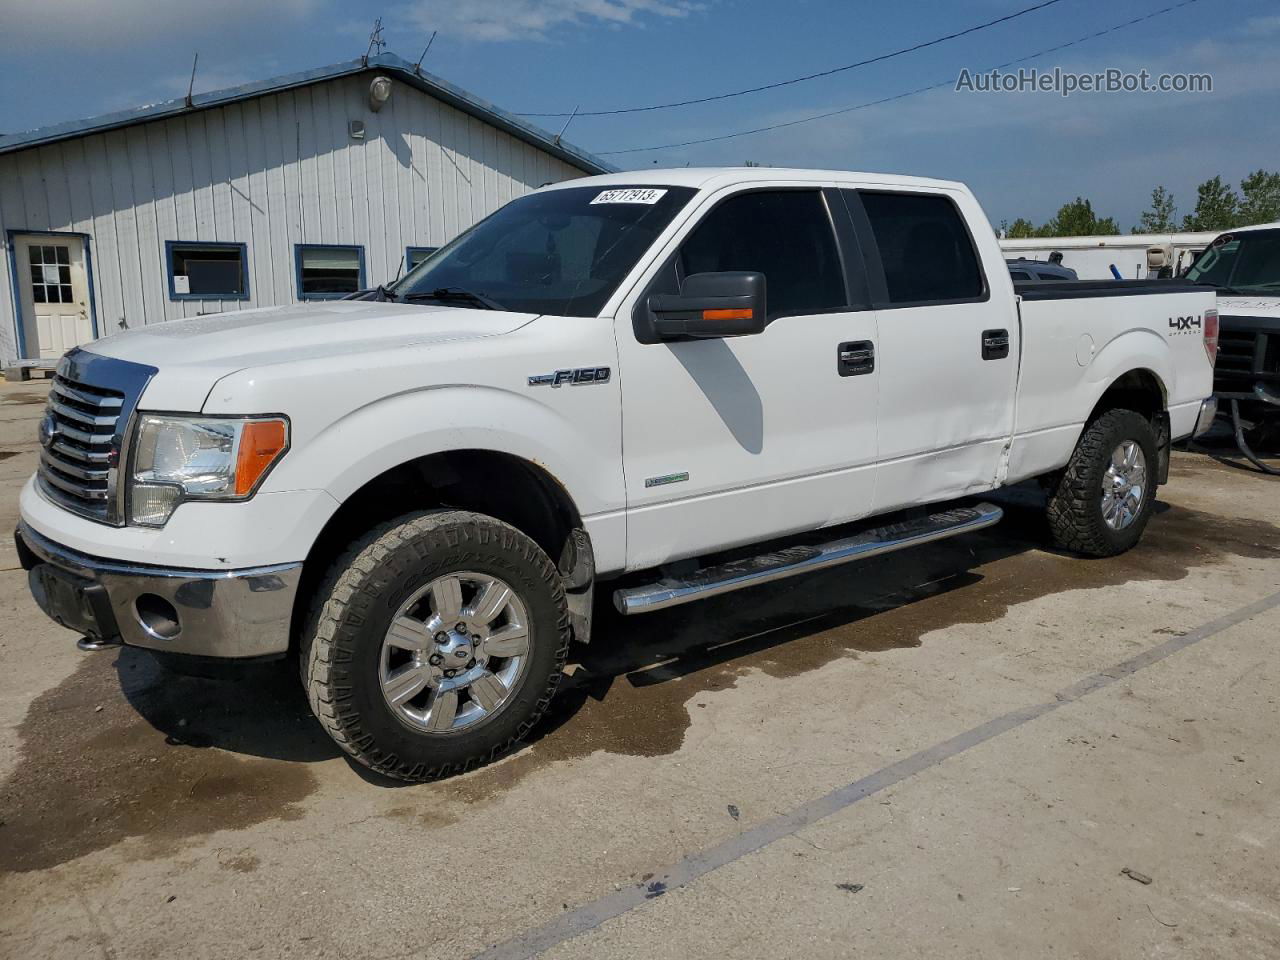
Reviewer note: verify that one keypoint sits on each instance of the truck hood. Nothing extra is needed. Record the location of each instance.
(191, 355)
(1249, 306)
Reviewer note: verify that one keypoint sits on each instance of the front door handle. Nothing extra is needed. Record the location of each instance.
(995, 344)
(856, 358)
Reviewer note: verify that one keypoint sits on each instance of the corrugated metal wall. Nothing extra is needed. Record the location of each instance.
(269, 172)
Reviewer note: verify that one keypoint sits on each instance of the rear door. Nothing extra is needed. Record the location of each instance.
(948, 344)
(731, 441)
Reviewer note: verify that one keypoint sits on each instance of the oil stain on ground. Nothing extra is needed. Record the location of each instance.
(120, 749)
(636, 684)
(171, 759)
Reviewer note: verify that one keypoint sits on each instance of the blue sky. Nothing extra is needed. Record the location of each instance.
(1024, 154)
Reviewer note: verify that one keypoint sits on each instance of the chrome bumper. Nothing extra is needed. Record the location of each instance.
(212, 613)
(1208, 411)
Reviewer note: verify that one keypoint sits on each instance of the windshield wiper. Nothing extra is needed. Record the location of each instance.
(454, 295)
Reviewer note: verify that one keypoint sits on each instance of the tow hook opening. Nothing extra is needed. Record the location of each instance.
(157, 616)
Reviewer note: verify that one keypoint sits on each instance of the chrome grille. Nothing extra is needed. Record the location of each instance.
(82, 435)
(78, 452)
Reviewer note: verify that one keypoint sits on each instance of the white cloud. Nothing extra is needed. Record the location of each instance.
(1261, 26)
(501, 20)
(93, 23)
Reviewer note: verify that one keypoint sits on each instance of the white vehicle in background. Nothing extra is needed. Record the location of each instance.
(1135, 256)
(1244, 267)
(690, 377)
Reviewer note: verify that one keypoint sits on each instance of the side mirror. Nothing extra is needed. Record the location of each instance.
(711, 305)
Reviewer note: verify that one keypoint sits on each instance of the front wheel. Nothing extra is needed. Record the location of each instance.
(1102, 501)
(439, 640)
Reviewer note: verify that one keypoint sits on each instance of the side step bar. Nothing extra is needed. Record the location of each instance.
(713, 581)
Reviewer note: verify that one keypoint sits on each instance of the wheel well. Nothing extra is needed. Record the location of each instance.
(499, 485)
(1138, 390)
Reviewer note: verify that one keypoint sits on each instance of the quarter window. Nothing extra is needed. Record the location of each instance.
(925, 249)
(784, 234)
(326, 271)
(213, 271)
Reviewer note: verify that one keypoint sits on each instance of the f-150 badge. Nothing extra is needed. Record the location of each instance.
(576, 377)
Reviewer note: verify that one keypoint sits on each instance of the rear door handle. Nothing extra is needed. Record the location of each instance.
(995, 344)
(856, 358)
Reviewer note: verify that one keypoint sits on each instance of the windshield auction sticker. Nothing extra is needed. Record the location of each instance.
(630, 195)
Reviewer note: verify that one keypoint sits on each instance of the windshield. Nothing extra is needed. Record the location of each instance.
(561, 252)
(1241, 261)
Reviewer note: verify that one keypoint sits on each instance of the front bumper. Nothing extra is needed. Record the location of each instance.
(233, 614)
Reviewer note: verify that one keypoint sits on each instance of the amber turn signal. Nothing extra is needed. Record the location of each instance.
(261, 443)
(744, 313)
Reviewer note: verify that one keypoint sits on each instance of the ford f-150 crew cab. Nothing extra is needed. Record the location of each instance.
(686, 372)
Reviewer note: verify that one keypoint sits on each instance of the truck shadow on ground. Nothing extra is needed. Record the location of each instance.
(123, 751)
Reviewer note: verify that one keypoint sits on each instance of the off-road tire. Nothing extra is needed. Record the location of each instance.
(355, 605)
(1075, 500)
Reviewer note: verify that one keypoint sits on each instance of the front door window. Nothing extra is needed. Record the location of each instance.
(50, 273)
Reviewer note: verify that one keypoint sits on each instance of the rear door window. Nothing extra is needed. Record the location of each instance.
(925, 248)
(786, 235)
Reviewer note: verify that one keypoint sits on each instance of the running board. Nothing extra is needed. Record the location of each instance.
(713, 581)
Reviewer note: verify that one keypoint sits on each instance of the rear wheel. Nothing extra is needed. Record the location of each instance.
(1102, 501)
(439, 642)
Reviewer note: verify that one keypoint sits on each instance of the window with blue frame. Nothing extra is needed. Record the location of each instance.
(415, 255)
(327, 271)
(207, 271)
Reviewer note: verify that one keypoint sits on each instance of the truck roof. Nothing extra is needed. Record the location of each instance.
(1256, 226)
(703, 177)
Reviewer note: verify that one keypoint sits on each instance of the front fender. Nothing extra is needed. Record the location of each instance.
(373, 439)
(352, 423)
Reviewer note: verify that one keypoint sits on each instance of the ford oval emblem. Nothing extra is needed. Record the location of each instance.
(48, 430)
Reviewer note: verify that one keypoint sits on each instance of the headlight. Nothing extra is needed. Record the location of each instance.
(199, 458)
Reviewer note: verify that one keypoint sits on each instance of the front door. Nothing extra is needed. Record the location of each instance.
(54, 286)
(732, 441)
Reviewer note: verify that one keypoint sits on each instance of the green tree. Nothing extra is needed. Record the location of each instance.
(1259, 199)
(1161, 217)
(1020, 229)
(1217, 207)
(1077, 219)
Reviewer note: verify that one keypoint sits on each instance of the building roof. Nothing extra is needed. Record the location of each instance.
(386, 63)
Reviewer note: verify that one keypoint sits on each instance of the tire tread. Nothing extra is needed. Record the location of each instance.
(326, 649)
(1075, 517)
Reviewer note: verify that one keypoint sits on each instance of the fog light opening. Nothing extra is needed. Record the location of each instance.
(157, 616)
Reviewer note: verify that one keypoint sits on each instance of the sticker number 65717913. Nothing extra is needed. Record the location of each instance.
(630, 195)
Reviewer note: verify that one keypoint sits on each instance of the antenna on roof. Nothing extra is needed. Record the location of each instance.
(417, 67)
(192, 85)
(566, 126)
(375, 40)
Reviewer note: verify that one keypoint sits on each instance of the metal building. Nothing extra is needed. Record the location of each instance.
(305, 186)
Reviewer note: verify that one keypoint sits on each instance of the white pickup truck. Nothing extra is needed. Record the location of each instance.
(418, 492)
(1243, 266)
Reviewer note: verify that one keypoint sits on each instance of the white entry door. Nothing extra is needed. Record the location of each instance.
(54, 285)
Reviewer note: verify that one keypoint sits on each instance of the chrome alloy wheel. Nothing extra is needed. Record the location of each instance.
(1124, 485)
(454, 652)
